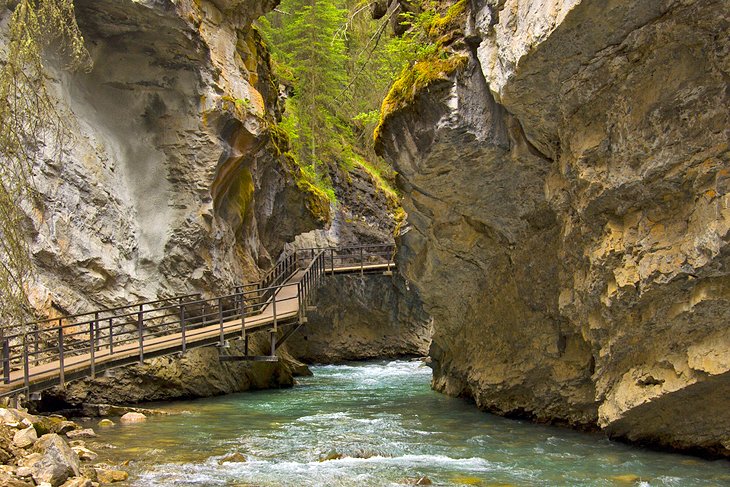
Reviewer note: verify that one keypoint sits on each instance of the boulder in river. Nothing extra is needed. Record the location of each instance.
(105, 423)
(105, 476)
(133, 418)
(233, 458)
(83, 433)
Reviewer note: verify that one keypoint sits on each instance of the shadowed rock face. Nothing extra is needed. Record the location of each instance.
(570, 239)
(171, 183)
(363, 317)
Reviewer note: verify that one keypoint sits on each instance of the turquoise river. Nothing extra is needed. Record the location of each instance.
(381, 425)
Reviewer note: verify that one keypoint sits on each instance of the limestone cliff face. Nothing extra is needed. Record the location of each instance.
(363, 317)
(172, 182)
(567, 195)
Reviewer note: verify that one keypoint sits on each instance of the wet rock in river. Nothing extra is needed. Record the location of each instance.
(83, 433)
(133, 418)
(233, 457)
(108, 476)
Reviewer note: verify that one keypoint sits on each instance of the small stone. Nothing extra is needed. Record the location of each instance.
(29, 460)
(23, 472)
(77, 482)
(424, 481)
(84, 433)
(109, 476)
(626, 478)
(85, 454)
(232, 458)
(105, 423)
(330, 455)
(133, 418)
(25, 437)
(77, 443)
(7, 480)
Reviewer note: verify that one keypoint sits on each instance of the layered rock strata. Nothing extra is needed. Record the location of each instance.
(567, 194)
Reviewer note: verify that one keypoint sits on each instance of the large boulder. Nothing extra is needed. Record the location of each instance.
(57, 463)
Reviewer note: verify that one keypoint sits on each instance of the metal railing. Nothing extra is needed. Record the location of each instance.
(45, 351)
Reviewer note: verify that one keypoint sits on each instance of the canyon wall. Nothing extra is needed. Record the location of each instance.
(171, 179)
(373, 316)
(567, 199)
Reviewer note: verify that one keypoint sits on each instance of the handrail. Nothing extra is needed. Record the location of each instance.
(99, 336)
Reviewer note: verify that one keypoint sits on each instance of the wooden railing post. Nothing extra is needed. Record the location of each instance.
(6, 361)
(182, 326)
(96, 330)
(26, 367)
(362, 262)
(273, 303)
(61, 352)
(92, 347)
(243, 315)
(111, 337)
(140, 329)
(35, 344)
(220, 320)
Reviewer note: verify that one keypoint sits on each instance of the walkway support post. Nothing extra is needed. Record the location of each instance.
(362, 263)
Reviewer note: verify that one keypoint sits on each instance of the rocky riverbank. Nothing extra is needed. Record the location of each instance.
(50, 451)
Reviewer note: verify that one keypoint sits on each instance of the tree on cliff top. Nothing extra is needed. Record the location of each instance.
(30, 124)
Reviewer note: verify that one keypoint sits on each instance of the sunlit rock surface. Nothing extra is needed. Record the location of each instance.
(568, 200)
(171, 181)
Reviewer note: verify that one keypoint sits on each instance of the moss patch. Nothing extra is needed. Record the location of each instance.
(444, 55)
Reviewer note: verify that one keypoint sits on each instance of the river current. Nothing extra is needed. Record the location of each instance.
(377, 424)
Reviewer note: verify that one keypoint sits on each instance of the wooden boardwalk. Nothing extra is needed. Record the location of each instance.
(92, 342)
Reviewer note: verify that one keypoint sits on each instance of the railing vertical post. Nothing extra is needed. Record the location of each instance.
(362, 262)
(182, 326)
(332, 258)
(61, 352)
(273, 303)
(273, 343)
(35, 344)
(92, 347)
(111, 337)
(26, 367)
(220, 319)
(140, 329)
(300, 311)
(6, 361)
(243, 316)
(96, 330)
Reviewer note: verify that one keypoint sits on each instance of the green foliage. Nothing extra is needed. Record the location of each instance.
(30, 123)
(435, 35)
(340, 64)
